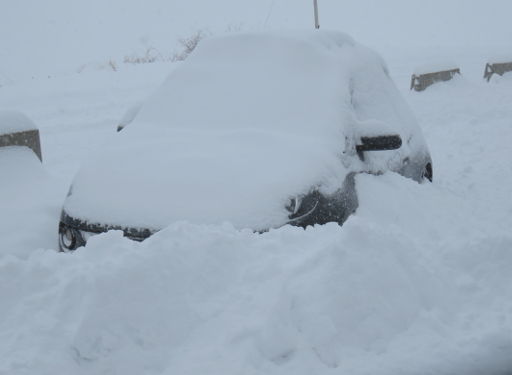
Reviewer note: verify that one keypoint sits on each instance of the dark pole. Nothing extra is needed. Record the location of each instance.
(315, 4)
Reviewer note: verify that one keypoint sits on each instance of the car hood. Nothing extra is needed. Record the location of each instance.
(243, 125)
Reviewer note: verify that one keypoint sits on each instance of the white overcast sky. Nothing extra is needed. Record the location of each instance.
(39, 37)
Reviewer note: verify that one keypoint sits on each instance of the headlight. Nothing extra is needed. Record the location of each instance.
(293, 205)
(302, 206)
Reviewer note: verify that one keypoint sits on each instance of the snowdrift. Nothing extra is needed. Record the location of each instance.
(392, 292)
(29, 203)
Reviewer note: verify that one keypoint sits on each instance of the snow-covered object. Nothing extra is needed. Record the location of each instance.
(247, 122)
(14, 121)
(28, 203)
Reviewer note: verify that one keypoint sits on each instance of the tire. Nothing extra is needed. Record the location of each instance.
(428, 173)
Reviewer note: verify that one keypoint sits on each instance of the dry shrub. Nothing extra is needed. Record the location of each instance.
(188, 44)
(152, 55)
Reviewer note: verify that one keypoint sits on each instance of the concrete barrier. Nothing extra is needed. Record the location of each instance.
(16, 129)
(420, 82)
(496, 68)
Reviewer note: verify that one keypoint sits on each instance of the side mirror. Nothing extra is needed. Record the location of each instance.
(379, 143)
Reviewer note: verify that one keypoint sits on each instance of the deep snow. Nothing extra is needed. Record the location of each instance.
(417, 281)
(401, 288)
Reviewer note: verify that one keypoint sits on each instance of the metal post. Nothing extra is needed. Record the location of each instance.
(315, 4)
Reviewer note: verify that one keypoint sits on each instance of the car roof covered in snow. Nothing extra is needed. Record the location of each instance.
(248, 121)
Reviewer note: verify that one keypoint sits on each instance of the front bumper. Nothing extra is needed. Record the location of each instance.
(74, 232)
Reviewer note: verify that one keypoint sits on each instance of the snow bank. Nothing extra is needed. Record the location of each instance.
(391, 292)
(30, 203)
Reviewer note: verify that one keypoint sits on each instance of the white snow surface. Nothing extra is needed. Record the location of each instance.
(402, 288)
(130, 114)
(14, 121)
(418, 281)
(435, 67)
(500, 58)
(247, 122)
(28, 198)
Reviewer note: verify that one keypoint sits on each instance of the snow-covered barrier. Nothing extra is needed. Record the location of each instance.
(420, 82)
(496, 68)
(29, 196)
(16, 129)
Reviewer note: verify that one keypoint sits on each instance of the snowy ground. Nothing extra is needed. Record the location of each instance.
(418, 281)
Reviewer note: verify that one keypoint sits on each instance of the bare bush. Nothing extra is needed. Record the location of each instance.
(112, 64)
(152, 55)
(188, 46)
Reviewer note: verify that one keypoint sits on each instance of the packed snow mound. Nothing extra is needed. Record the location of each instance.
(247, 122)
(29, 203)
(384, 294)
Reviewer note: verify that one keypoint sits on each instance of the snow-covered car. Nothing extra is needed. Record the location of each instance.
(259, 130)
